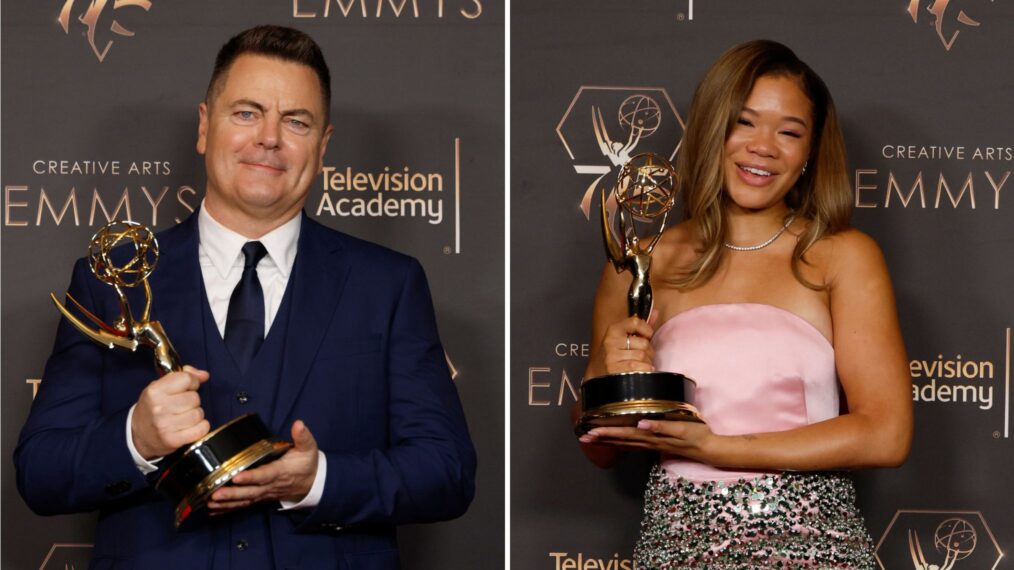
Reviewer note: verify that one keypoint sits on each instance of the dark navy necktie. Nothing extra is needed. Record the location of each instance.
(244, 325)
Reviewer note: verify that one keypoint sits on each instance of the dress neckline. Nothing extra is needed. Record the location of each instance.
(763, 306)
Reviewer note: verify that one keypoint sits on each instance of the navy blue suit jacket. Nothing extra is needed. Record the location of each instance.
(363, 367)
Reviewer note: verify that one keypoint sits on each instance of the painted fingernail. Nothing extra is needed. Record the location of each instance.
(644, 424)
(586, 439)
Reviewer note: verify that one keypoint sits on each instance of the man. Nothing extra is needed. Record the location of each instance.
(328, 338)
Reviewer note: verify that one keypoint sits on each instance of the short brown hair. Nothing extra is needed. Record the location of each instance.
(286, 44)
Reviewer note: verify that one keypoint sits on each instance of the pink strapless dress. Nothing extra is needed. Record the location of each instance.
(758, 369)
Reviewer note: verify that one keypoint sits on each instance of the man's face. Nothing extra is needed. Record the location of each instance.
(263, 139)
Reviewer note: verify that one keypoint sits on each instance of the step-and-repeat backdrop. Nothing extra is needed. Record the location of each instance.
(925, 89)
(100, 121)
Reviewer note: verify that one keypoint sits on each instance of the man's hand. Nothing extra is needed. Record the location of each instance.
(168, 414)
(287, 479)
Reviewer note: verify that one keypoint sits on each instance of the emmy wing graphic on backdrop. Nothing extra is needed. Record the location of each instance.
(955, 538)
(938, 540)
(189, 475)
(624, 121)
(640, 116)
(644, 193)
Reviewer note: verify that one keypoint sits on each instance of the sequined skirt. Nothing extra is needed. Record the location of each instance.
(785, 521)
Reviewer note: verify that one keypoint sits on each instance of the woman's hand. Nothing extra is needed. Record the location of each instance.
(612, 330)
(626, 346)
(687, 439)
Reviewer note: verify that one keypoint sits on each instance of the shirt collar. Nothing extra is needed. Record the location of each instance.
(224, 246)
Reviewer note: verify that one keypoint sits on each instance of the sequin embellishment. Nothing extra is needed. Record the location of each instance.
(787, 521)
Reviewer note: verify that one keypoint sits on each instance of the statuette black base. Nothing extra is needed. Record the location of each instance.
(192, 473)
(625, 398)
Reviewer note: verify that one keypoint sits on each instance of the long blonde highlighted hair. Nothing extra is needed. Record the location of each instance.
(822, 195)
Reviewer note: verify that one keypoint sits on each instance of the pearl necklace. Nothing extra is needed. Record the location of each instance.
(767, 242)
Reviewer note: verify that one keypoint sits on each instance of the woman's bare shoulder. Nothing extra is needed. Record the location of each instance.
(847, 255)
(677, 246)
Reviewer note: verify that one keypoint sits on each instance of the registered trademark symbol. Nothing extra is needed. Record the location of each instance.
(680, 17)
(447, 250)
(996, 435)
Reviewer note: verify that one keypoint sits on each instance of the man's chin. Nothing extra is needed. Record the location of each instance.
(255, 193)
(254, 197)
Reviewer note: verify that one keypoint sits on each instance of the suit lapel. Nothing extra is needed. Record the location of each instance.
(177, 292)
(318, 278)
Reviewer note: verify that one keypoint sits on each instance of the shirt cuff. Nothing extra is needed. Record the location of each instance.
(312, 499)
(143, 464)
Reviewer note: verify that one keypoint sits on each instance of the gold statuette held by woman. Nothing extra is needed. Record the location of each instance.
(645, 194)
(189, 475)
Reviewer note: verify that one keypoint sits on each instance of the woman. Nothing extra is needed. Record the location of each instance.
(766, 298)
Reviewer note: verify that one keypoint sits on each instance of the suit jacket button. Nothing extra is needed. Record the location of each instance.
(242, 544)
(117, 488)
(242, 397)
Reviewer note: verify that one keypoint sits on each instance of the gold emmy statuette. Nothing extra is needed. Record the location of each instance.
(189, 475)
(645, 193)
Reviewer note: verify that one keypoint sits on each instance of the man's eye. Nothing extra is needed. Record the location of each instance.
(298, 126)
(244, 115)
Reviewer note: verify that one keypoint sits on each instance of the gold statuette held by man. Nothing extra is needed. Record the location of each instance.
(189, 475)
(644, 193)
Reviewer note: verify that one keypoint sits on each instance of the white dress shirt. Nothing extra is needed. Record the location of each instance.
(221, 259)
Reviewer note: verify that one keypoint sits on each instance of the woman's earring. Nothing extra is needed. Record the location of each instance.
(804, 166)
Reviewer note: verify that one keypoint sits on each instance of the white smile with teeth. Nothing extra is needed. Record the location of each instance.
(756, 171)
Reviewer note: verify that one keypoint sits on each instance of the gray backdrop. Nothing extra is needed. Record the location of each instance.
(112, 88)
(925, 73)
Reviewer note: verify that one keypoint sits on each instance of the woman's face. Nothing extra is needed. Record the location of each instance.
(768, 147)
